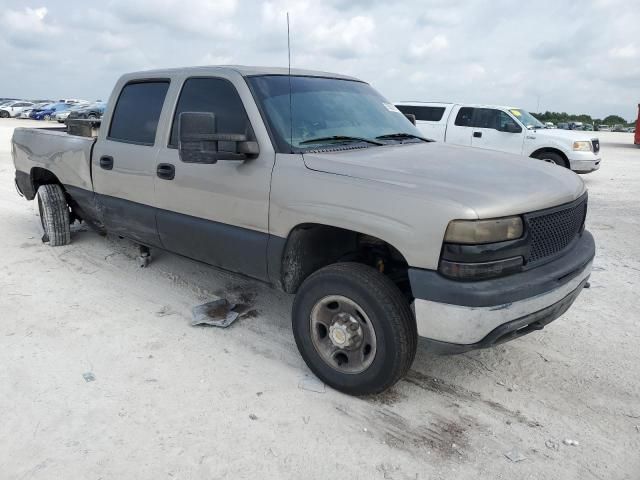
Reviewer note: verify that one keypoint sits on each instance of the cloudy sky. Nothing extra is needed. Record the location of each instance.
(576, 56)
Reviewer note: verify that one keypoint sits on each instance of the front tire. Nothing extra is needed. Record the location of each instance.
(552, 157)
(4, 114)
(54, 215)
(354, 328)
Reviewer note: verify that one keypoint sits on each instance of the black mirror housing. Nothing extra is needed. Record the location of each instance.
(198, 141)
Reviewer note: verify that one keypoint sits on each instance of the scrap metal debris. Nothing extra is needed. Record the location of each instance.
(311, 384)
(219, 313)
(515, 456)
(88, 376)
(573, 443)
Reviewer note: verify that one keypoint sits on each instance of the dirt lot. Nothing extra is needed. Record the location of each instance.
(174, 401)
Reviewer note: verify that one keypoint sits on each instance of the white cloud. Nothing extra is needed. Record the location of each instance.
(583, 58)
(425, 49)
(27, 27)
(628, 51)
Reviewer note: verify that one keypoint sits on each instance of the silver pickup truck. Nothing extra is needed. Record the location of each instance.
(315, 183)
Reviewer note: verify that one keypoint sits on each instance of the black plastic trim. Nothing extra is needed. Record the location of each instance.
(510, 330)
(25, 185)
(430, 285)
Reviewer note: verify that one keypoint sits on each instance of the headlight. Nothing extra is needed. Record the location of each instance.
(483, 231)
(582, 146)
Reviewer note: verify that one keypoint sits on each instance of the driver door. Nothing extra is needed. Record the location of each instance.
(216, 213)
(495, 130)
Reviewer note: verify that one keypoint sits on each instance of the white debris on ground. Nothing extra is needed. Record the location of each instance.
(173, 401)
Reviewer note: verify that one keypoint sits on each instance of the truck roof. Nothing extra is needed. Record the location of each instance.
(244, 70)
(442, 104)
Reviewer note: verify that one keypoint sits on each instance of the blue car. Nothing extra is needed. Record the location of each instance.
(48, 111)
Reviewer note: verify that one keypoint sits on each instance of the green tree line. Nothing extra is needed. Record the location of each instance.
(564, 117)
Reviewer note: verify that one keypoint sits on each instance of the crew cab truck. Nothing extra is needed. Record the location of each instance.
(505, 129)
(315, 183)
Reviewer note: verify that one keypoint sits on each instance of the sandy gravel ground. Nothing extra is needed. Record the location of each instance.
(173, 401)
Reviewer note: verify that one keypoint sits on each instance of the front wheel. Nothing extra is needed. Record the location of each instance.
(552, 157)
(354, 328)
(4, 114)
(54, 215)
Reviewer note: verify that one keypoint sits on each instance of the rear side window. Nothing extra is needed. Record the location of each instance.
(213, 95)
(424, 113)
(464, 117)
(135, 118)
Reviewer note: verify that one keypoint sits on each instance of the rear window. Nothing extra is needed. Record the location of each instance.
(135, 118)
(464, 117)
(424, 113)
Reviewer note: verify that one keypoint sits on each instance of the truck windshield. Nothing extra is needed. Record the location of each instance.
(526, 118)
(327, 111)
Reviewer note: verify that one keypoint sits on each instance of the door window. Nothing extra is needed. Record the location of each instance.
(464, 117)
(494, 119)
(135, 118)
(212, 95)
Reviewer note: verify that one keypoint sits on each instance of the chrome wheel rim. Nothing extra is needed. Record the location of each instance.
(342, 334)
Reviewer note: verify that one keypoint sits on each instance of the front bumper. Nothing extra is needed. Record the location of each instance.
(584, 162)
(459, 316)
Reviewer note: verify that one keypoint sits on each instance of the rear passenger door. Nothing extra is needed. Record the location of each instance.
(494, 129)
(124, 161)
(216, 213)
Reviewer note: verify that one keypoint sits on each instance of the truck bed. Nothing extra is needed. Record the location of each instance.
(68, 157)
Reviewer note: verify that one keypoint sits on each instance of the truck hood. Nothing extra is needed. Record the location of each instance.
(487, 183)
(570, 135)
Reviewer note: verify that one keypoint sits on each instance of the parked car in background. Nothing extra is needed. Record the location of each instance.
(94, 110)
(587, 127)
(49, 111)
(604, 128)
(619, 128)
(504, 129)
(14, 109)
(62, 116)
(576, 126)
(26, 113)
(563, 126)
(549, 125)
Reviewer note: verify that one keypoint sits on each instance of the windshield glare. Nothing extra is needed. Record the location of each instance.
(526, 118)
(324, 107)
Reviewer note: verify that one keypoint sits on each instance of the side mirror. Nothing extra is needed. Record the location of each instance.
(411, 117)
(512, 128)
(198, 141)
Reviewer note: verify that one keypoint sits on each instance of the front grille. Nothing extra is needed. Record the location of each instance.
(552, 230)
(596, 145)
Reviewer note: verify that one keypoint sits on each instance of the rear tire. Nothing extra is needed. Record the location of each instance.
(375, 303)
(553, 157)
(4, 114)
(54, 215)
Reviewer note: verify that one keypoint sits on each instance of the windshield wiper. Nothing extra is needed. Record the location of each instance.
(400, 136)
(341, 138)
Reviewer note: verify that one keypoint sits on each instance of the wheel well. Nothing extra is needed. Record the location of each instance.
(42, 176)
(310, 247)
(540, 151)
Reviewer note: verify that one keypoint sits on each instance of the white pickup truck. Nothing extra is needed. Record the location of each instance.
(505, 129)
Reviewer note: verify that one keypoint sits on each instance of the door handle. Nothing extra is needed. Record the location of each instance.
(106, 162)
(477, 134)
(166, 171)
